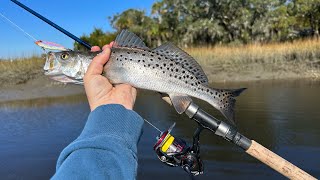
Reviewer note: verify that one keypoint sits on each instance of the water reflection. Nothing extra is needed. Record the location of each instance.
(33, 133)
(282, 116)
(42, 102)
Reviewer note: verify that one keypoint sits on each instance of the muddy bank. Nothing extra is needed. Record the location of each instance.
(40, 86)
(23, 78)
(230, 73)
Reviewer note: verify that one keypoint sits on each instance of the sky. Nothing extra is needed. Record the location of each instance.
(77, 17)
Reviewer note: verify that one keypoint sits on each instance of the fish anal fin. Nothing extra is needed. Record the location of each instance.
(228, 110)
(180, 102)
(184, 59)
(130, 40)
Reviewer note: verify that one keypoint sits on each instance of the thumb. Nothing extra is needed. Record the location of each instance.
(96, 66)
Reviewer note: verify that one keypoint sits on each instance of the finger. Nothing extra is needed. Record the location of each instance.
(108, 45)
(95, 48)
(96, 66)
(128, 89)
(134, 93)
(125, 87)
(105, 46)
(127, 94)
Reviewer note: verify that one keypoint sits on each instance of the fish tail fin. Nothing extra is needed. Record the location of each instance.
(237, 92)
(226, 103)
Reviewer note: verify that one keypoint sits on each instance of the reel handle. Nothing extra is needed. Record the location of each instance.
(276, 162)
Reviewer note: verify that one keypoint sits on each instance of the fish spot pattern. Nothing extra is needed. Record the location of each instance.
(161, 64)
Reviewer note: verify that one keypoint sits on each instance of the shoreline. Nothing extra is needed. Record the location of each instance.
(223, 65)
(38, 87)
(42, 86)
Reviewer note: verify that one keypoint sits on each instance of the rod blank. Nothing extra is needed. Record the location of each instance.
(85, 44)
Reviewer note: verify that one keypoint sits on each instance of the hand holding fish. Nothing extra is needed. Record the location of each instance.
(98, 88)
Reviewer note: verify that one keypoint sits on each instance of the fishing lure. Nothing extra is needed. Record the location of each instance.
(50, 46)
(45, 45)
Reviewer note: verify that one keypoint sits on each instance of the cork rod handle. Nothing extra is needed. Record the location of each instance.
(277, 163)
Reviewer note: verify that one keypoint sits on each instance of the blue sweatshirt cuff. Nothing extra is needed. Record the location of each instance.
(114, 121)
(108, 141)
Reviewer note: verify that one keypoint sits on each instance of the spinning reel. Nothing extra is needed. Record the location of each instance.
(175, 151)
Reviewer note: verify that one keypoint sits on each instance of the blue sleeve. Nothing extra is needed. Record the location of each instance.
(106, 148)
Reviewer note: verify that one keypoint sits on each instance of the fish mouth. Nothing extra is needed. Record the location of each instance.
(51, 68)
(50, 62)
(65, 79)
(52, 73)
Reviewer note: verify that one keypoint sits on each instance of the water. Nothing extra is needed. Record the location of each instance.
(282, 116)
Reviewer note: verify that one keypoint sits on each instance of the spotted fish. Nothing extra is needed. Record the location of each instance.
(166, 69)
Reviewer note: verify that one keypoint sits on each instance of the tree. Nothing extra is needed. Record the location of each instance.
(307, 13)
(97, 38)
(209, 22)
(137, 22)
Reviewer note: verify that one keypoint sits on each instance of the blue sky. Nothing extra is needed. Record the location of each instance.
(78, 17)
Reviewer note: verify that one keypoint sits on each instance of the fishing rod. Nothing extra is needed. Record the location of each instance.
(175, 151)
(251, 147)
(45, 45)
(85, 44)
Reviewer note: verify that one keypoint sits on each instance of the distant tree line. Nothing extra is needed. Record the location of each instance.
(211, 22)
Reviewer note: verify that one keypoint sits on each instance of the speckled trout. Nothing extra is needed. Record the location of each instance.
(166, 69)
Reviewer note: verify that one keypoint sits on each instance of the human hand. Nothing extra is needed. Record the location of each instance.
(98, 88)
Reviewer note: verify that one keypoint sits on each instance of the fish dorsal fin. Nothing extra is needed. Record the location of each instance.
(184, 59)
(130, 40)
(180, 102)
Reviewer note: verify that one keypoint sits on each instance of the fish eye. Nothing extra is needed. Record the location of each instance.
(64, 56)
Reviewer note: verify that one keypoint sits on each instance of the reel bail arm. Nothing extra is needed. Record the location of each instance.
(174, 151)
(193, 161)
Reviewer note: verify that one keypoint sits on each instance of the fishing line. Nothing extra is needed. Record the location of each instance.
(152, 125)
(19, 28)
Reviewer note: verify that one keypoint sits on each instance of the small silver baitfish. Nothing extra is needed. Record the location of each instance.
(166, 69)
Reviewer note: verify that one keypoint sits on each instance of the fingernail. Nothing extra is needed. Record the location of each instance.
(106, 51)
(101, 52)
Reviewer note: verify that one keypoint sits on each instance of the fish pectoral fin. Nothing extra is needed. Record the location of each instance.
(130, 40)
(166, 98)
(180, 102)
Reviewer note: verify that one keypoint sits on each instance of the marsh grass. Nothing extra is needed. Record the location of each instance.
(298, 59)
(18, 71)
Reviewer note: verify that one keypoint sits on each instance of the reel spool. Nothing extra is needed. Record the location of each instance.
(176, 152)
